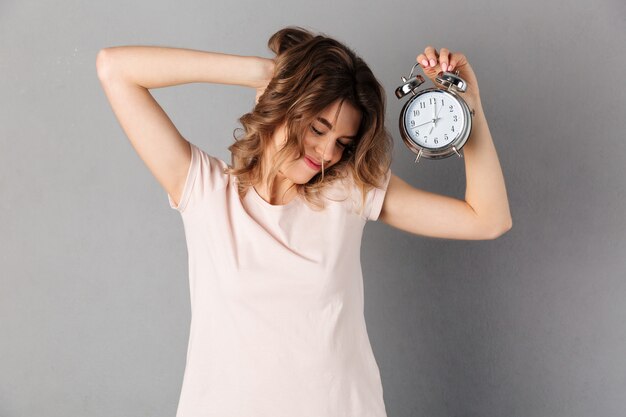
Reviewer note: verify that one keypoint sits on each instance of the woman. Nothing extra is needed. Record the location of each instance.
(274, 239)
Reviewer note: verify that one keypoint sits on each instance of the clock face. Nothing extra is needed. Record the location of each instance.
(434, 119)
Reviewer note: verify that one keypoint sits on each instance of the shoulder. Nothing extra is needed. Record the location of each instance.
(210, 167)
(365, 200)
(206, 174)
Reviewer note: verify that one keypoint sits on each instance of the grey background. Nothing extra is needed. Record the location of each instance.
(94, 308)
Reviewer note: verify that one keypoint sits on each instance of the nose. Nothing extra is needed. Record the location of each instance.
(325, 151)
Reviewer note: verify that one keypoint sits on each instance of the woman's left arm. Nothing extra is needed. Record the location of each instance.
(485, 191)
(486, 207)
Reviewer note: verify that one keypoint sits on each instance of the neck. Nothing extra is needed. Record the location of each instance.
(283, 189)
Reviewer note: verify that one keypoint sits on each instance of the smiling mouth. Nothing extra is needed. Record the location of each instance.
(311, 164)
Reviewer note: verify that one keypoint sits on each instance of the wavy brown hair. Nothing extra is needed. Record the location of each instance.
(310, 73)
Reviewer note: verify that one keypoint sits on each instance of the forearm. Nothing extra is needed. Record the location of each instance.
(155, 67)
(485, 190)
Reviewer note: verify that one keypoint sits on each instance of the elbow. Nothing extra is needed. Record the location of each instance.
(103, 64)
(501, 230)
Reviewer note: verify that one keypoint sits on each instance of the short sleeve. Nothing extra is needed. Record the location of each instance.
(374, 199)
(205, 174)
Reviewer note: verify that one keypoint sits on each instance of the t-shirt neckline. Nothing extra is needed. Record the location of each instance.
(277, 207)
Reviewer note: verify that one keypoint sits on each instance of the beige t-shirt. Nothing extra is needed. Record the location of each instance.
(277, 326)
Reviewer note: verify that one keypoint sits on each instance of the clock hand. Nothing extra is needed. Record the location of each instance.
(425, 123)
(437, 116)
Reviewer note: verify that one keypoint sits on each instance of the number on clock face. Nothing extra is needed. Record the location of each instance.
(434, 119)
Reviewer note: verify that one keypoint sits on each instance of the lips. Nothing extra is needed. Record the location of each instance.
(311, 163)
(314, 161)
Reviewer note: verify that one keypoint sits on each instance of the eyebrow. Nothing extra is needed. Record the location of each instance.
(330, 126)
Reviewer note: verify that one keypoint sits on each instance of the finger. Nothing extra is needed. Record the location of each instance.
(431, 55)
(455, 60)
(444, 58)
(421, 58)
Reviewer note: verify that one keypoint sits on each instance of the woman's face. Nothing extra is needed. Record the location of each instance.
(325, 140)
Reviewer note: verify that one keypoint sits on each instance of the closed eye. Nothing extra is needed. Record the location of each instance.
(318, 133)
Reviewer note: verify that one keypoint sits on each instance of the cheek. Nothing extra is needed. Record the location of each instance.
(307, 143)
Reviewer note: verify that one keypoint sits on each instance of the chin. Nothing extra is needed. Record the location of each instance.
(303, 176)
(303, 179)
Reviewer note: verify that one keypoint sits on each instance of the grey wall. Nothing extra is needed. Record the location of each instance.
(94, 308)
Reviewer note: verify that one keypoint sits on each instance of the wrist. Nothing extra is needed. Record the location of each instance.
(264, 71)
(474, 103)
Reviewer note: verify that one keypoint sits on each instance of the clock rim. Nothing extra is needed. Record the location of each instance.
(447, 150)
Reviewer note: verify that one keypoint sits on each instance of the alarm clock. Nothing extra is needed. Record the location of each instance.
(436, 122)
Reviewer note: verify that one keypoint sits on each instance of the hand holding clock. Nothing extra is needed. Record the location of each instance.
(448, 107)
(433, 61)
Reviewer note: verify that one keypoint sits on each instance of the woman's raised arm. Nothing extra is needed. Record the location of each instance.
(156, 66)
(126, 73)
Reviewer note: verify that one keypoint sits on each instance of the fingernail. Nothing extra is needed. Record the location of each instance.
(432, 62)
(444, 66)
(424, 62)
